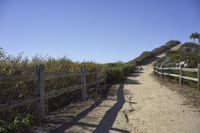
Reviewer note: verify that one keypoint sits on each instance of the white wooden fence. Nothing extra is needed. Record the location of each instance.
(40, 95)
(160, 71)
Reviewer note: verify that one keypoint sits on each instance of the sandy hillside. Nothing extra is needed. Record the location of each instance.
(172, 49)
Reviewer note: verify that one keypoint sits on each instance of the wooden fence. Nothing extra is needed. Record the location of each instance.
(160, 71)
(40, 95)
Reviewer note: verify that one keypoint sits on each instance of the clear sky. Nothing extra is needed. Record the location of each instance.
(94, 30)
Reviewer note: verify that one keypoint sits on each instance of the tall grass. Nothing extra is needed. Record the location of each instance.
(18, 119)
(13, 120)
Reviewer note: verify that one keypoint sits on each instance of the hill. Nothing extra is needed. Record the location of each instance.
(188, 53)
(148, 56)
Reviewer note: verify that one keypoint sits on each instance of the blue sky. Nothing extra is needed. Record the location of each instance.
(94, 30)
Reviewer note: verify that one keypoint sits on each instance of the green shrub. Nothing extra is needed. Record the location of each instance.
(144, 58)
(19, 90)
(20, 124)
(116, 72)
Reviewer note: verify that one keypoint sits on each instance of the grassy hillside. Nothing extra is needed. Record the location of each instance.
(148, 56)
(188, 51)
(165, 48)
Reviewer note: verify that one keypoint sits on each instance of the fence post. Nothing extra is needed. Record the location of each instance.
(40, 92)
(181, 74)
(157, 71)
(168, 72)
(198, 76)
(162, 72)
(97, 78)
(84, 82)
(154, 70)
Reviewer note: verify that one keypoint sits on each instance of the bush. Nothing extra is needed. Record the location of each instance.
(19, 125)
(19, 90)
(144, 58)
(116, 72)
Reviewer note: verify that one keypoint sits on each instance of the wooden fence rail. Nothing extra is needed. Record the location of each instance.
(40, 95)
(160, 71)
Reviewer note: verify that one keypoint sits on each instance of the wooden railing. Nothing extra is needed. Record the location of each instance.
(40, 95)
(162, 71)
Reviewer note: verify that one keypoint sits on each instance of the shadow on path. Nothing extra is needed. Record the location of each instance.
(109, 118)
(131, 81)
(94, 126)
(75, 120)
(106, 122)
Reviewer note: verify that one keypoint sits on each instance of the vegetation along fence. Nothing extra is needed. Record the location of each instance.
(178, 72)
(41, 95)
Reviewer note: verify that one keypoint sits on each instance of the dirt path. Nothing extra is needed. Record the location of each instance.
(140, 105)
(158, 108)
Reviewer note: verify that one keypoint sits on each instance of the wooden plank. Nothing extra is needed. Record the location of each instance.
(190, 69)
(56, 93)
(181, 74)
(15, 104)
(90, 73)
(184, 69)
(49, 76)
(165, 68)
(158, 68)
(97, 77)
(198, 77)
(83, 81)
(182, 77)
(166, 74)
(95, 82)
(48, 95)
(174, 75)
(173, 68)
(190, 78)
(32, 76)
(17, 78)
(158, 72)
(40, 92)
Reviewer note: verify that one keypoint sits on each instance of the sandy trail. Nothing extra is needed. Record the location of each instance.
(158, 108)
(140, 105)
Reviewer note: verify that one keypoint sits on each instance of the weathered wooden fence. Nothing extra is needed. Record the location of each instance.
(40, 95)
(160, 71)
